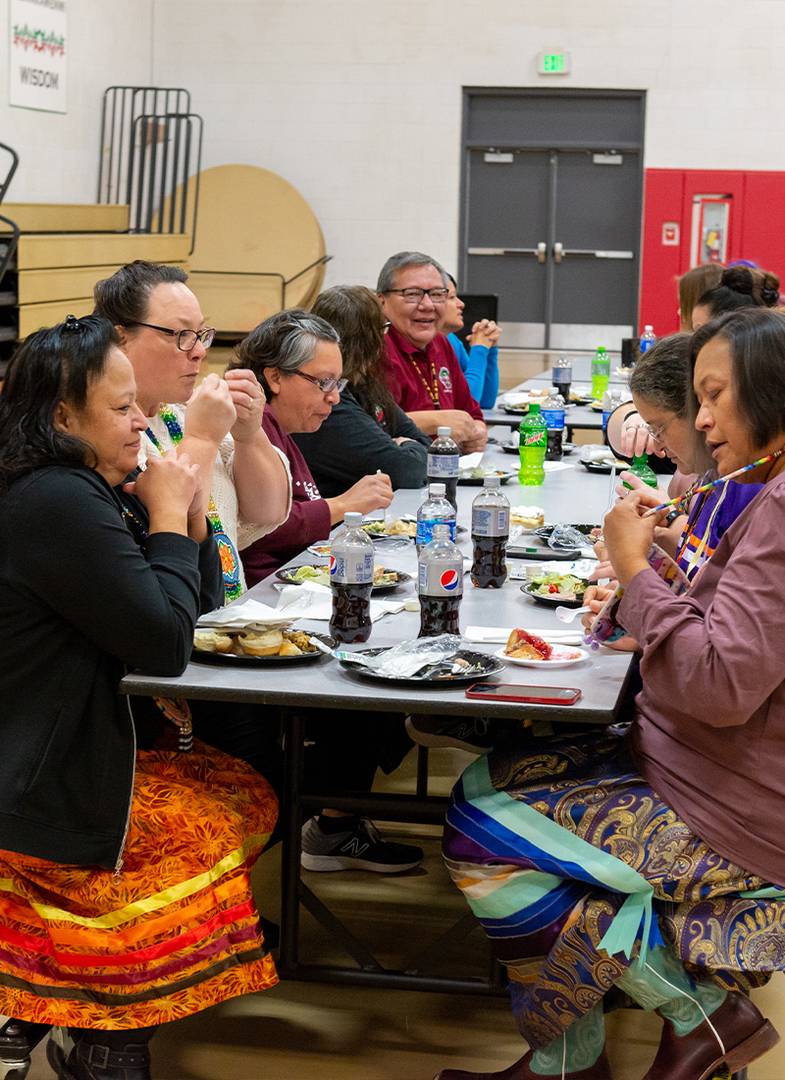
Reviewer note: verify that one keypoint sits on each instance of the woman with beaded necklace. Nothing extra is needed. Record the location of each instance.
(246, 483)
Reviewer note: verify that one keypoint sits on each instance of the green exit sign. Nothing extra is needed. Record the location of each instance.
(553, 63)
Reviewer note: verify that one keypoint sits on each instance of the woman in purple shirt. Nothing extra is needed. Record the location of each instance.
(620, 857)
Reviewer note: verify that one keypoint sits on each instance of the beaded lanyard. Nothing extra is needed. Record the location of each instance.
(230, 561)
(433, 386)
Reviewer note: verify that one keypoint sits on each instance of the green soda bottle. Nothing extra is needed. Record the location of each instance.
(640, 468)
(534, 443)
(600, 373)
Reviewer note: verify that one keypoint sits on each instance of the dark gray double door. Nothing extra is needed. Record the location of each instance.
(551, 216)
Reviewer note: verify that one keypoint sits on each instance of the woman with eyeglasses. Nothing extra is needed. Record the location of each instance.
(297, 359)
(244, 479)
(367, 419)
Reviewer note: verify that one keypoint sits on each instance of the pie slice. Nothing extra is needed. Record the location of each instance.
(525, 646)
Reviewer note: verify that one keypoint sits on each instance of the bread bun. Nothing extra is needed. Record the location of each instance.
(266, 643)
(212, 641)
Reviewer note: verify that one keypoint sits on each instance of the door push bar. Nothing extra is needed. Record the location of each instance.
(540, 252)
(559, 253)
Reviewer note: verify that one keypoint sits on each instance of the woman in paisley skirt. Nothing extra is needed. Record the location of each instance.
(651, 858)
(125, 900)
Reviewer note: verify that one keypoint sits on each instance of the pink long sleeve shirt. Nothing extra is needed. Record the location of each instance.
(709, 734)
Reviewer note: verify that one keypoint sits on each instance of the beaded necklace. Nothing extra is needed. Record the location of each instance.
(431, 386)
(230, 560)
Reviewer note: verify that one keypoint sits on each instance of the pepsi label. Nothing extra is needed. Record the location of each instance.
(443, 466)
(425, 530)
(353, 568)
(440, 579)
(490, 521)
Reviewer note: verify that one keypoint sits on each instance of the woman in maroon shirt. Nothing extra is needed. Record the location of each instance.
(619, 858)
(297, 359)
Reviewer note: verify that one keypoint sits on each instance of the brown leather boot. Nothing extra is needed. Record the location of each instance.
(745, 1033)
(601, 1070)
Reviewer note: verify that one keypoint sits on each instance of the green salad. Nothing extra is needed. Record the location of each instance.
(559, 585)
(311, 573)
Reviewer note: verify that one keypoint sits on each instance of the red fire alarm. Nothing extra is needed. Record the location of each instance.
(670, 234)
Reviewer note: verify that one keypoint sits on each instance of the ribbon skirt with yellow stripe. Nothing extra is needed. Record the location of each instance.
(574, 867)
(174, 932)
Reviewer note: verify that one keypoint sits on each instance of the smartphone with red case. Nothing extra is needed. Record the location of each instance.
(531, 695)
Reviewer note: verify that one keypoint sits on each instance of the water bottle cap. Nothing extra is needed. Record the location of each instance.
(440, 532)
(441, 432)
(492, 481)
(436, 489)
(352, 519)
(648, 329)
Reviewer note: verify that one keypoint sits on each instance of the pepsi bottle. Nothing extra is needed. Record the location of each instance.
(351, 581)
(436, 510)
(444, 463)
(440, 585)
(490, 532)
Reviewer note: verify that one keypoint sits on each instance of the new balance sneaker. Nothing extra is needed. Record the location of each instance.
(359, 847)
(465, 733)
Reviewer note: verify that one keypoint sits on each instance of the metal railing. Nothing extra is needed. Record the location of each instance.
(151, 144)
(8, 241)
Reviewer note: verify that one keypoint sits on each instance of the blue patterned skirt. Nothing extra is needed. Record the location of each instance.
(575, 867)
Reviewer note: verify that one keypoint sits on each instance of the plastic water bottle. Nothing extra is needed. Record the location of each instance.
(600, 373)
(443, 463)
(552, 412)
(640, 468)
(351, 581)
(647, 338)
(490, 532)
(613, 397)
(439, 584)
(533, 445)
(436, 510)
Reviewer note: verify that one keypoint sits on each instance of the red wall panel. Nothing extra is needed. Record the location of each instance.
(660, 264)
(756, 230)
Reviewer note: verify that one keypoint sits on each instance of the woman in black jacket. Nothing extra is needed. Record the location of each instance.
(124, 894)
(366, 431)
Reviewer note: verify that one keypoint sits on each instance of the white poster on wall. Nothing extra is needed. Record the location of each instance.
(37, 53)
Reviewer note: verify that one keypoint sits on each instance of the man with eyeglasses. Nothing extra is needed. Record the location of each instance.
(246, 487)
(425, 377)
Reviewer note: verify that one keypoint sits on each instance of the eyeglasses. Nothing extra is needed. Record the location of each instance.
(184, 339)
(416, 296)
(325, 385)
(658, 433)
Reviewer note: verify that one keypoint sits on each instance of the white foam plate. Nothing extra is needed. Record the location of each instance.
(563, 656)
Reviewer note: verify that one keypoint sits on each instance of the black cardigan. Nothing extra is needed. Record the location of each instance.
(350, 444)
(79, 603)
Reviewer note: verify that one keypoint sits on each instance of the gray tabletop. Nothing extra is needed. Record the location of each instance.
(570, 494)
(581, 417)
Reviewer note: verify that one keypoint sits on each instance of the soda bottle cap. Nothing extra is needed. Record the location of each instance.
(600, 348)
(440, 532)
(352, 519)
(534, 408)
(441, 432)
(491, 481)
(436, 489)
